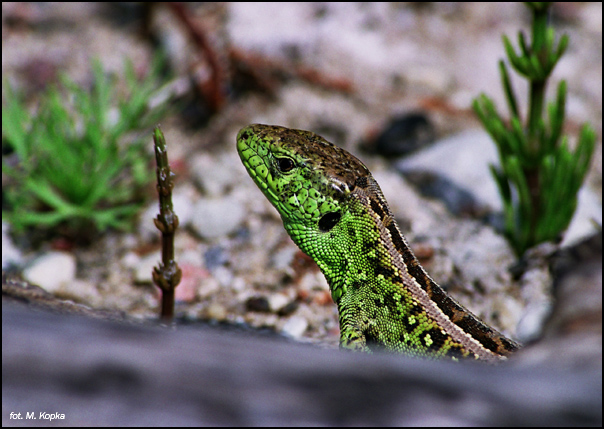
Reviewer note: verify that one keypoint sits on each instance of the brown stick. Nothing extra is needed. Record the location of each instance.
(168, 274)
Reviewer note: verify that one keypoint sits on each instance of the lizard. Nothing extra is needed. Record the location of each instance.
(335, 212)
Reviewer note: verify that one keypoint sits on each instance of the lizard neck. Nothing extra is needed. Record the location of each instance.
(365, 255)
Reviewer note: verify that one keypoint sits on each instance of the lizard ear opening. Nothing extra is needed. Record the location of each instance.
(328, 221)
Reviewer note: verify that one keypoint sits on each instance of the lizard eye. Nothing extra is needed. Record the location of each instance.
(285, 164)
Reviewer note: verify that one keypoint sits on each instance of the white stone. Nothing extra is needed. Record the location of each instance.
(217, 217)
(464, 159)
(295, 327)
(52, 270)
(144, 268)
(213, 174)
(277, 301)
(216, 312)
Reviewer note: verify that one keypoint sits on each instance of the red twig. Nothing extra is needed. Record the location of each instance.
(213, 89)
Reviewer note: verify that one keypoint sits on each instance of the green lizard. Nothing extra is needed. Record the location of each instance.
(334, 210)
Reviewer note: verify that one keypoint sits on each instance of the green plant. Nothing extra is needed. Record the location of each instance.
(77, 162)
(538, 176)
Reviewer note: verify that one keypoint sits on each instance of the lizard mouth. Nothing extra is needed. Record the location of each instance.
(256, 166)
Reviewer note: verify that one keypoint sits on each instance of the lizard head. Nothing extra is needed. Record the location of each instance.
(306, 178)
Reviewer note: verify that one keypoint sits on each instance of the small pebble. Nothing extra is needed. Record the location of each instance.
(288, 309)
(405, 134)
(192, 277)
(277, 301)
(144, 268)
(257, 303)
(51, 270)
(214, 218)
(211, 173)
(295, 327)
(216, 312)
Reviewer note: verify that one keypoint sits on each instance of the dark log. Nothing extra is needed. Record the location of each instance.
(97, 368)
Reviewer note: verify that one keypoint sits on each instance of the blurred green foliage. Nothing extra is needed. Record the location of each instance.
(77, 165)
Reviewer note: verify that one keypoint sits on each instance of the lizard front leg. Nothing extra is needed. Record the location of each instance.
(352, 338)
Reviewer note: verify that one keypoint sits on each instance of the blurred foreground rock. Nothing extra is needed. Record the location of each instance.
(99, 368)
